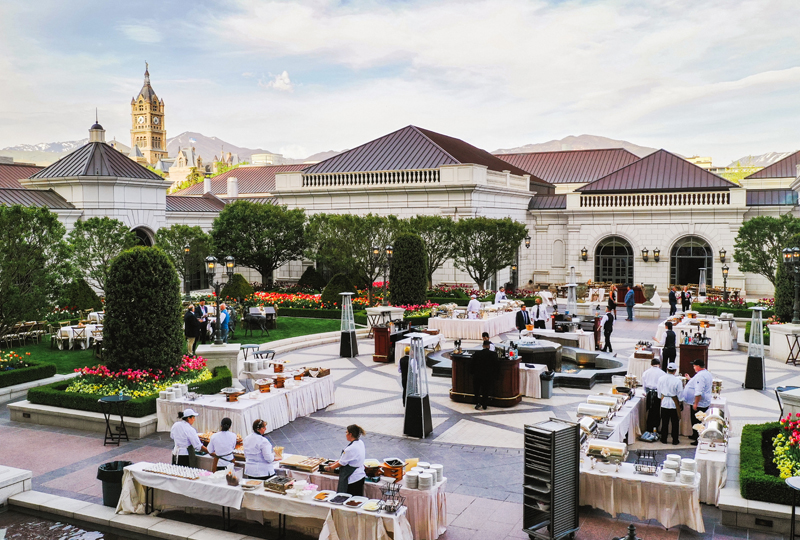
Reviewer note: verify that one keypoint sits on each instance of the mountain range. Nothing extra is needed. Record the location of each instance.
(762, 160)
(580, 142)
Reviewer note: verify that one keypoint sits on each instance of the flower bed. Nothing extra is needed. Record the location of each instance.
(759, 477)
(16, 369)
(56, 395)
(786, 445)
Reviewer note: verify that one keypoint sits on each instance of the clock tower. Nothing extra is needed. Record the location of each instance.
(148, 131)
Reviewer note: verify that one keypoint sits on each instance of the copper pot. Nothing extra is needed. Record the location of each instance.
(279, 382)
(277, 368)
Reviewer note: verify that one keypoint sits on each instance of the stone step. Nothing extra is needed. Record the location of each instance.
(10, 393)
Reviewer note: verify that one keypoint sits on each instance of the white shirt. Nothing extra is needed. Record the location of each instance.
(222, 444)
(538, 312)
(499, 297)
(258, 456)
(474, 306)
(651, 377)
(668, 387)
(184, 436)
(699, 385)
(354, 455)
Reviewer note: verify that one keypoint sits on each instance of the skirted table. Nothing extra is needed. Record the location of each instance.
(722, 337)
(581, 339)
(713, 470)
(277, 407)
(474, 328)
(530, 382)
(686, 428)
(628, 421)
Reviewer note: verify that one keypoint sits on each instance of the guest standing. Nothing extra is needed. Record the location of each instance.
(523, 318)
(669, 344)
(650, 380)
(673, 301)
(607, 322)
(190, 329)
(612, 300)
(223, 320)
(669, 388)
(630, 302)
(484, 365)
(539, 314)
(686, 299)
(201, 312)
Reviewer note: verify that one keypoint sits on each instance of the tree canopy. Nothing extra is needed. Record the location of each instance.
(173, 239)
(759, 242)
(409, 277)
(437, 234)
(259, 236)
(35, 263)
(95, 242)
(482, 246)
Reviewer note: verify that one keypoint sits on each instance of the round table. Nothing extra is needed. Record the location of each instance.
(794, 483)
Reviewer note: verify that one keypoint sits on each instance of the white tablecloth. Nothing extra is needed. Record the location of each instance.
(474, 328)
(628, 421)
(97, 316)
(277, 408)
(71, 333)
(584, 340)
(686, 416)
(713, 470)
(643, 496)
(212, 492)
(637, 366)
(721, 338)
(547, 296)
(530, 383)
(428, 342)
(427, 509)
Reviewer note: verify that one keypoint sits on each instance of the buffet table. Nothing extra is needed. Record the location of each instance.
(474, 328)
(428, 342)
(643, 496)
(277, 408)
(637, 366)
(581, 340)
(713, 470)
(686, 416)
(628, 421)
(530, 384)
(213, 492)
(721, 338)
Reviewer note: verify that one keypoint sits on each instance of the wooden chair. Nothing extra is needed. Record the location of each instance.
(61, 337)
(97, 336)
(79, 335)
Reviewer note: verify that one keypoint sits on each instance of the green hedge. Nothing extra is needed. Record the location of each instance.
(747, 335)
(37, 370)
(55, 396)
(416, 321)
(457, 301)
(755, 484)
(712, 310)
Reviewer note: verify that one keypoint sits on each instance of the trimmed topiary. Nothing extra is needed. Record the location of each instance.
(408, 278)
(311, 279)
(237, 288)
(79, 295)
(338, 284)
(784, 287)
(143, 326)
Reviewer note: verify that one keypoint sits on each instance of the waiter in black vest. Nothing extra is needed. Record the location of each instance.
(608, 326)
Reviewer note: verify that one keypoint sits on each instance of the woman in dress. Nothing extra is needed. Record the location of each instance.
(351, 463)
(187, 442)
(222, 444)
(258, 454)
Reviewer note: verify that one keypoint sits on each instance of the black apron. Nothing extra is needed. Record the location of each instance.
(344, 474)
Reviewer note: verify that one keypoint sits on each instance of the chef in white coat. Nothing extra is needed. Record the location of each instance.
(187, 442)
(473, 308)
(500, 296)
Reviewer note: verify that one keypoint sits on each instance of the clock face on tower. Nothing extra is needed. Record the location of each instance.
(140, 119)
(156, 120)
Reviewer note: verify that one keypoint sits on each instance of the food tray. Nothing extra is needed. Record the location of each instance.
(372, 505)
(250, 485)
(339, 498)
(324, 495)
(303, 463)
(356, 502)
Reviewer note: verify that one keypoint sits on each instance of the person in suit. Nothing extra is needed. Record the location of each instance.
(539, 314)
(523, 318)
(403, 369)
(201, 312)
(686, 299)
(630, 301)
(190, 328)
(673, 301)
(484, 365)
(607, 323)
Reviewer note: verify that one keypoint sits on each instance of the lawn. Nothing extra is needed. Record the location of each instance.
(68, 361)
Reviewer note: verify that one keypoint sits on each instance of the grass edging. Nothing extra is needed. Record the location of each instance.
(37, 370)
(359, 316)
(754, 483)
(55, 395)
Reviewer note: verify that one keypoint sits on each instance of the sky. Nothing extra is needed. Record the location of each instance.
(711, 78)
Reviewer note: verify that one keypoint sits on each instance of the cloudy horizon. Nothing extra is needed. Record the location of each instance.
(717, 78)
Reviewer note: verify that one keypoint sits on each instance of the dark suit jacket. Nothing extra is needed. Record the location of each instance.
(404, 370)
(484, 363)
(198, 312)
(673, 300)
(521, 320)
(191, 326)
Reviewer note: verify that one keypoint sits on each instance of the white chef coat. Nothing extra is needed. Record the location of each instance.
(499, 297)
(222, 444)
(473, 307)
(354, 455)
(184, 436)
(667, 387)
(699, 385)
(651, 377)
(538, 312)
(258, 456)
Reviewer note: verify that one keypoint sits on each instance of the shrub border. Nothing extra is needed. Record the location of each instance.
(741, 313)
(37, 370)
(54, 395)
(755, 484)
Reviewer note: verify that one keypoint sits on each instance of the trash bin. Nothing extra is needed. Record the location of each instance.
(110, 474)
(547, 383)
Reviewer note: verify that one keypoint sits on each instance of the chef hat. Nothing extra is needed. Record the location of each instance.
(473, 296)
(189, 412)
(672, 366)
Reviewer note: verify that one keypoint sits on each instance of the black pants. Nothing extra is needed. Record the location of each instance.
(607, 345)
(667, 357)
(653, 410)
(203, 333)
(685, 306)
(481, 386)
(694, 436)
(669, 416)
(356, 489)
(540, 325)
(672, 309)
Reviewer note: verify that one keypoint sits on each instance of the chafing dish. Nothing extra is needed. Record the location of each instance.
(598, 412)
(631, 381)
(588, 425)
(610, 401)
(714, 431)
(607, 450)
(715, 413)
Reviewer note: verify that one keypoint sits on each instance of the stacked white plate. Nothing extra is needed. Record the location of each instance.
(417, 469)
(250, 365)
(162, 394)
(434, 477)
(688, 465)
(672, 465)
(668, 475)
(424, 465)
(439, 471)
(412, 479)
(260, 364)
(425, 481)
(687, 477)
(674, 457)
(176, 389)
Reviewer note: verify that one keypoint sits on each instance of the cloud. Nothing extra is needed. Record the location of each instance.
(280, 82)
(140, 33)
(247, 74)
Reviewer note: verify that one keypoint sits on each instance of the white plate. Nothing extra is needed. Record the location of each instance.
(330, 500)
(328, 494)
(377, 506)
(359, 500)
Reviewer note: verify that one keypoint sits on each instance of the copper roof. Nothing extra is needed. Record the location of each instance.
(96, 159)
(413, 148)
(251, 180)
(34, 197)
(783, 168)
(771, 197)
(660, 171)
(11, 173)
(548, 202)
(257, 200)
(571, 166)
(202, 203)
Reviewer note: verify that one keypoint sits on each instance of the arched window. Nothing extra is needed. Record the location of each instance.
(613, 261)
(143, 237)
(687, 257)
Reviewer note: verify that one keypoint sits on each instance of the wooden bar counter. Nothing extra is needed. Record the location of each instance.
(505, 388)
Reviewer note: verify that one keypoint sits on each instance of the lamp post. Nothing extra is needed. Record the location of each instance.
(656, 254)
(186, 251)
(376, 253)
(791, 260)
(584, 254)
(528, 242)
(725, 271)
(211, 270)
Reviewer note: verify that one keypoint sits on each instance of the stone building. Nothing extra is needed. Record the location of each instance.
(148, 129)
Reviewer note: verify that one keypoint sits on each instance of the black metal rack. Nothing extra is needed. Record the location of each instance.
(552, 476)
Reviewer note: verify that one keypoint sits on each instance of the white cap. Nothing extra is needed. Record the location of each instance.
(672, 366)
(474, 296)
(189, 412)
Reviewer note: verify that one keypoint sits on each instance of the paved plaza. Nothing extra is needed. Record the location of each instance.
(481, 450)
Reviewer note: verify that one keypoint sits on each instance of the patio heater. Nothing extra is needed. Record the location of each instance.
(701, 286)
(417, 421)
(754, 376)
(348, 347)
(572, 294)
